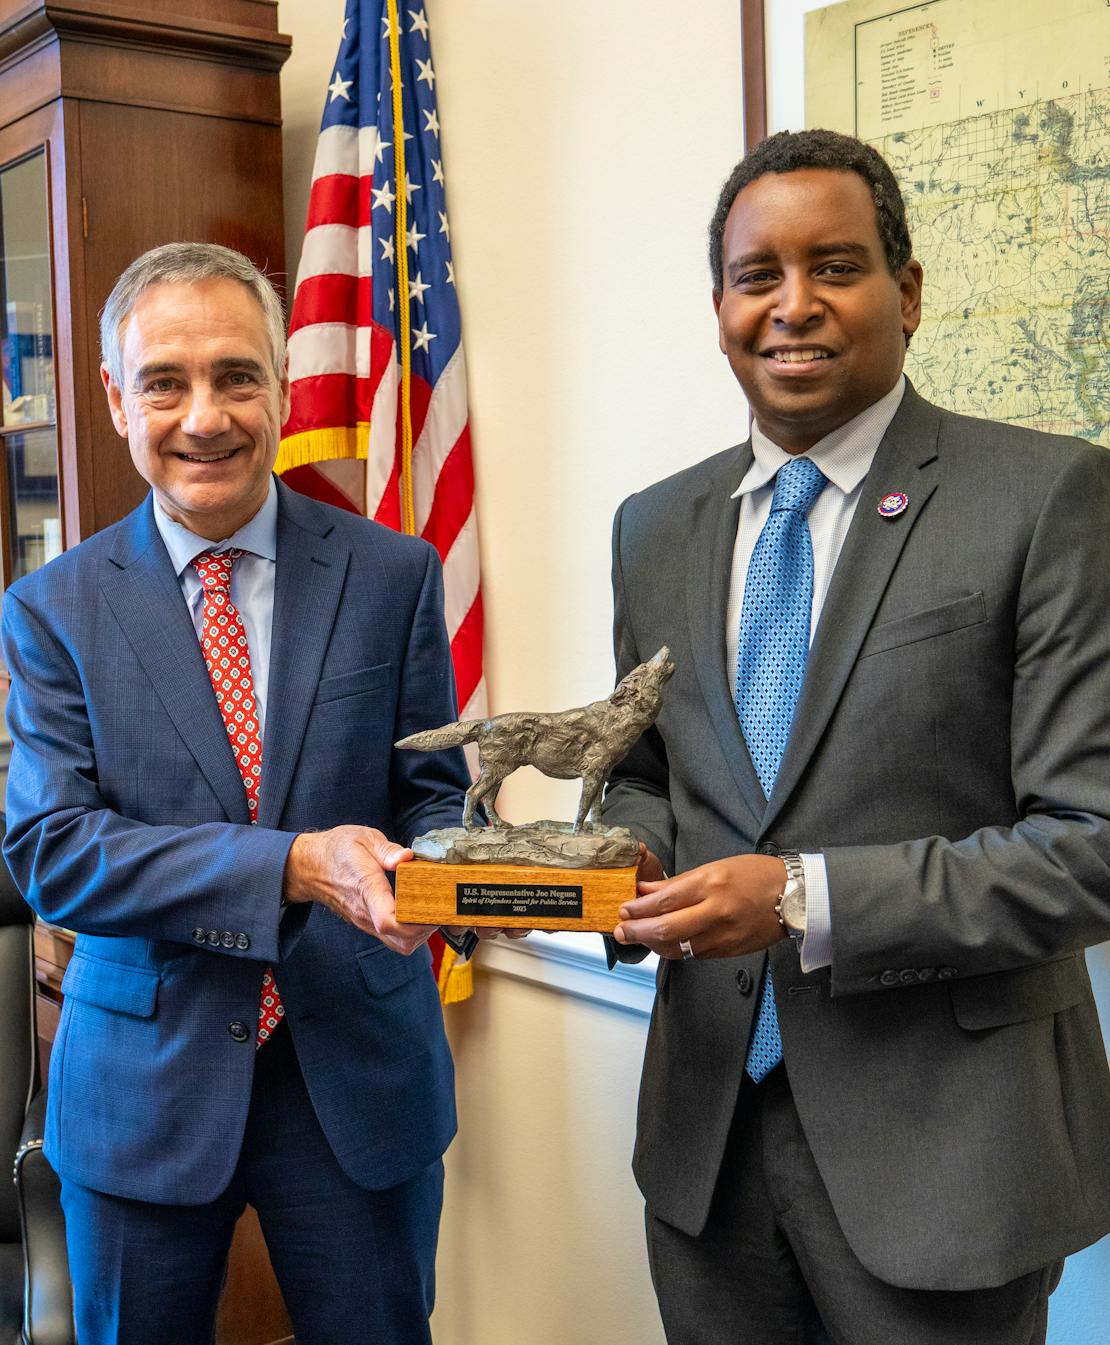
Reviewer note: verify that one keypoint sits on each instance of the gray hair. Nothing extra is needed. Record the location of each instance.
(186, 264)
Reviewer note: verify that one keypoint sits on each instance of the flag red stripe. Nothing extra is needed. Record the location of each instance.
(419, 400)
(323, 401)
(466, 651)
(389, 508)
(327, 298)
(308, 481)
(333, 200)
(454, 496)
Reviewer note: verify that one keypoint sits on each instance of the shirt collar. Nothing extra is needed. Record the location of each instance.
(258, 535)
(844, 456)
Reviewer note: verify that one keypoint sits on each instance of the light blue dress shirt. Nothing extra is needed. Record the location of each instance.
(252, 582)
(845, 457)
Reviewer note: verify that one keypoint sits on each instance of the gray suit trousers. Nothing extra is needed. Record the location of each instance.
(772, 1266)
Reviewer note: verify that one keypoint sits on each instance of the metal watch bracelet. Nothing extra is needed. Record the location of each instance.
(791, 905)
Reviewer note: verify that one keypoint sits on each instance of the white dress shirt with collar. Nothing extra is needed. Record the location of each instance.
(845, 457)
(252, 582)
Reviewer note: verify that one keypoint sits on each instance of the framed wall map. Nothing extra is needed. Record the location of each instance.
(995, 116)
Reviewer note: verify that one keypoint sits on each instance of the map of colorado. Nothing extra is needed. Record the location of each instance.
(1006, 174)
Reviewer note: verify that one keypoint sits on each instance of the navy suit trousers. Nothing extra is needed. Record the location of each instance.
(354, 1266)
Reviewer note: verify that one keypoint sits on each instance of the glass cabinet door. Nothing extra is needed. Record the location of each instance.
(30, 506)
(30, 516)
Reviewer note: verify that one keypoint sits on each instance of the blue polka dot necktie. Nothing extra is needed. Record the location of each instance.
(774, 646)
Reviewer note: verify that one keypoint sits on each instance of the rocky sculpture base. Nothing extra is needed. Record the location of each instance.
(536, 844)
(538, 876)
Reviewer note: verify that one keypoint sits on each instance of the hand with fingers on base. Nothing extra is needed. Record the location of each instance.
(344, 869)
(720, 909)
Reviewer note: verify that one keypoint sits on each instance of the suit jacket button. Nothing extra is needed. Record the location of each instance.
(890, 978)
(213, 937)
(241, 941)
(238, 1031)
(948, 973)
(198, 935)
(744, 981)
(909, 976)
(768, 848)
(227, 939)
(927, 973)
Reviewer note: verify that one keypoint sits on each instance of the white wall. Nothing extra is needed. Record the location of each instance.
(583, 145)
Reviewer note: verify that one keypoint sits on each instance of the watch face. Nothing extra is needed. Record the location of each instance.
(794, 907)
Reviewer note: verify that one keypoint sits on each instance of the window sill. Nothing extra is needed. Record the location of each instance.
(575, 965)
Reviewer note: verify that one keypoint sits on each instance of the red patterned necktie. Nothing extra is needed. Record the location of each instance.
(228, 661)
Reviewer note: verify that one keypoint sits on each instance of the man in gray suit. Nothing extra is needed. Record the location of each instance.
(875, 1100)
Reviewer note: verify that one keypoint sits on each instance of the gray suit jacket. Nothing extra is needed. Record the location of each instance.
(950, 756)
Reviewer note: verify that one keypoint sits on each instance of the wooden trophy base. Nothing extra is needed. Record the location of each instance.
(514, 896)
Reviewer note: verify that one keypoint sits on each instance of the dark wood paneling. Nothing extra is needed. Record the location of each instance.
(156, 79)
(181, 178)
(754, 61)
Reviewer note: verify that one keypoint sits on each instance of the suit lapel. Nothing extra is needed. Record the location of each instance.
(906, 461)
(712, 539)
(311, 569)
(144, 595)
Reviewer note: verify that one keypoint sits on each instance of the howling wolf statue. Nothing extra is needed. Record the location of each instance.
(584, 743)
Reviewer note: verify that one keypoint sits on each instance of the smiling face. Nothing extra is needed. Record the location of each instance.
(200, 406)
(811, 320)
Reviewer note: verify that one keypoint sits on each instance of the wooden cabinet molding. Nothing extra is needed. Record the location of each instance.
(207, 59)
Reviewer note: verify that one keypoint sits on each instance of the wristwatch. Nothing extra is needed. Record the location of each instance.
(791, 905)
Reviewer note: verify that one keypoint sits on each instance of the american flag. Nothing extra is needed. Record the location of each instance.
(376, 283)
(375, 353)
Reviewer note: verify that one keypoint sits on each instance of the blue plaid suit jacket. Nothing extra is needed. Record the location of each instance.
(127, 822)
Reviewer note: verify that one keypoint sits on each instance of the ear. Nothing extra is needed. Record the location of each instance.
(717, 300)
(115, 402)
(285, 398)
(909, 283)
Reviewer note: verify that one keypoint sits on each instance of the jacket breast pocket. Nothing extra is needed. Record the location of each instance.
(926, 625)
(354, 683)
(1020, 995)
(111, 985)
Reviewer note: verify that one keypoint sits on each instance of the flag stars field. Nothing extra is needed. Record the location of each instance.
(338, 88)
(417, 289)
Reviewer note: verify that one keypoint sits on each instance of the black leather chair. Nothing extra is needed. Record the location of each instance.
(36, 1300)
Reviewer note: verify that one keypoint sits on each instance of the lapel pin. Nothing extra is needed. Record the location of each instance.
(890, 506)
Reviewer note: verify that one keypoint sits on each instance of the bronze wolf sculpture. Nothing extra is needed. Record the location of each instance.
(584, 743)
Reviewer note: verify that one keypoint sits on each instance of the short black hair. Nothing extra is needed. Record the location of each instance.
(788, 151)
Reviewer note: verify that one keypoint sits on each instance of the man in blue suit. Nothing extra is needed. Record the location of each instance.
(190, 878)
